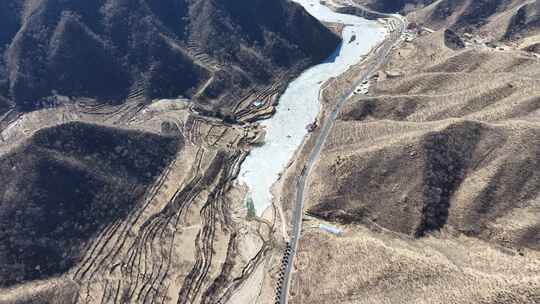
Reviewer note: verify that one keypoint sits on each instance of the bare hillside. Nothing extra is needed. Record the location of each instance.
(499, 19)
(364, 267)
(120, 145)
(432, 176)
(116, 205)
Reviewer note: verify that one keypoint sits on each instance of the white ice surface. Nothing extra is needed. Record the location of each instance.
(299, 104)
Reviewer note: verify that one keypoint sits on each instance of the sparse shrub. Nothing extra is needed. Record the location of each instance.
(251, 212)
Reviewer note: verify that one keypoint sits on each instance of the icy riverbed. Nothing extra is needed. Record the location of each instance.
(299, 105)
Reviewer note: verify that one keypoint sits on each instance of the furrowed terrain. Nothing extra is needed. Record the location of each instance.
(110, 193)
(63, 186)
(433, 175)
(100, 210)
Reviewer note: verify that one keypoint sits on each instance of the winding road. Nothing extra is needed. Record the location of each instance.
(373, 62)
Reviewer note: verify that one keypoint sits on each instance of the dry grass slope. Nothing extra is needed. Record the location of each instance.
(433, 176)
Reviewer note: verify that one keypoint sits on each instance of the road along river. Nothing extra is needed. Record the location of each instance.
(299, 104)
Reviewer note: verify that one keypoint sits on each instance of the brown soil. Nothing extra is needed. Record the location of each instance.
(432, 176)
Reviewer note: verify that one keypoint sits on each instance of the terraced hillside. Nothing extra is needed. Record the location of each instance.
(119, 146)
(97, 208)
(111, 50)
(63, 186)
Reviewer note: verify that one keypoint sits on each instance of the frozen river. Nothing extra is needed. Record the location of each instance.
(299, 105)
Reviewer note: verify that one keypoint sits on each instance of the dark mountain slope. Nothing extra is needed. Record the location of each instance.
(477, 13)
(63, 186)
(9, 22)
(505, 19)
(525, 21)
(461, 176)
(71, 41)
(389, 6)
(104, 49)
(451, 145)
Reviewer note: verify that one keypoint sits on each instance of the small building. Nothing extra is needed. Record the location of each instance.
(331, 229)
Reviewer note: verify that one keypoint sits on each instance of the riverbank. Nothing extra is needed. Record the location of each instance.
(299, 105)
(301, 181)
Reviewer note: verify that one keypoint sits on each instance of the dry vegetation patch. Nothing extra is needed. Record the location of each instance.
(434, 174)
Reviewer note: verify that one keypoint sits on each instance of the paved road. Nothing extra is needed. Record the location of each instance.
(374, 62)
